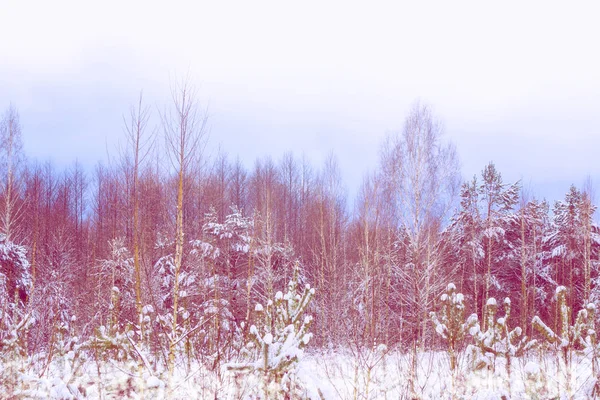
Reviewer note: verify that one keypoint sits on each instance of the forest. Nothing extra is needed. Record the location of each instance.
(169, 272)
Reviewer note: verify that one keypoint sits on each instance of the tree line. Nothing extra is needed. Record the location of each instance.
(199, 238)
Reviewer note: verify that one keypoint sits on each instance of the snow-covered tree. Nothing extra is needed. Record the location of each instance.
(221, 258)
(224, 253)
(572, 247)
(15, 317)
(480, 231)
(498, 202)
(120, 291)
(466, 238)
(15, 273)
(528, 230)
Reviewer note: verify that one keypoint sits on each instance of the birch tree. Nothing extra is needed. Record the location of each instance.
(421, 178)
(11, 146)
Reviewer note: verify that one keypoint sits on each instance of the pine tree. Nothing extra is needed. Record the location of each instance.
(579, 336)
(498, 339)
(465, 235)
(498, 202)
(479, 231)
(530, 226)
(449, 322)
(573, 246)
(277, 342)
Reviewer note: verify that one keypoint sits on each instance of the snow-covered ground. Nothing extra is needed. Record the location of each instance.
(344, 376)
(339, 374)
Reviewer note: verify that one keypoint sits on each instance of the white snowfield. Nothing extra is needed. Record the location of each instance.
(341, 374)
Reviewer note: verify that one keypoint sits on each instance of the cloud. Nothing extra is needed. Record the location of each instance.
(518, 83)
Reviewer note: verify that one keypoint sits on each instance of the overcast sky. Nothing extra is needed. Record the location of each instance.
(514, 82)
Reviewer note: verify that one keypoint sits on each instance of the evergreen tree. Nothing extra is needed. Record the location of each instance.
(449, 322)
(480, 231)
(277, 341)
(568, 338)
(572, 247)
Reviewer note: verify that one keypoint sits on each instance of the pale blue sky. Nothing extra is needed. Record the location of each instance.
(515, 83)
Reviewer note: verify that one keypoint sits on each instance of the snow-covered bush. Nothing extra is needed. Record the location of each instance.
(221, 337)
(580, 337)
(131, 349)
(496, 341)
(15, 318)
(15, 273)
(277, 342)
(13, 352)
(499, 339)
(535, 381)
(449, 322)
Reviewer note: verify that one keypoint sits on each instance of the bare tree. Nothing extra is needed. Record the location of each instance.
(185, 133)
(329, 223)
(139, 146)
(368, 272)
(239, 183)
(11, 146)
(421, 179)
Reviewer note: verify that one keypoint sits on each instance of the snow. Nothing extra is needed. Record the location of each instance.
(537, 322)
(258, 307)
(441, 329)
(559, 251)
(148, 309)
(306, 339)
(326, 375)
(154, 382)
(531, 368)
(491, 301)
(268, 338)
